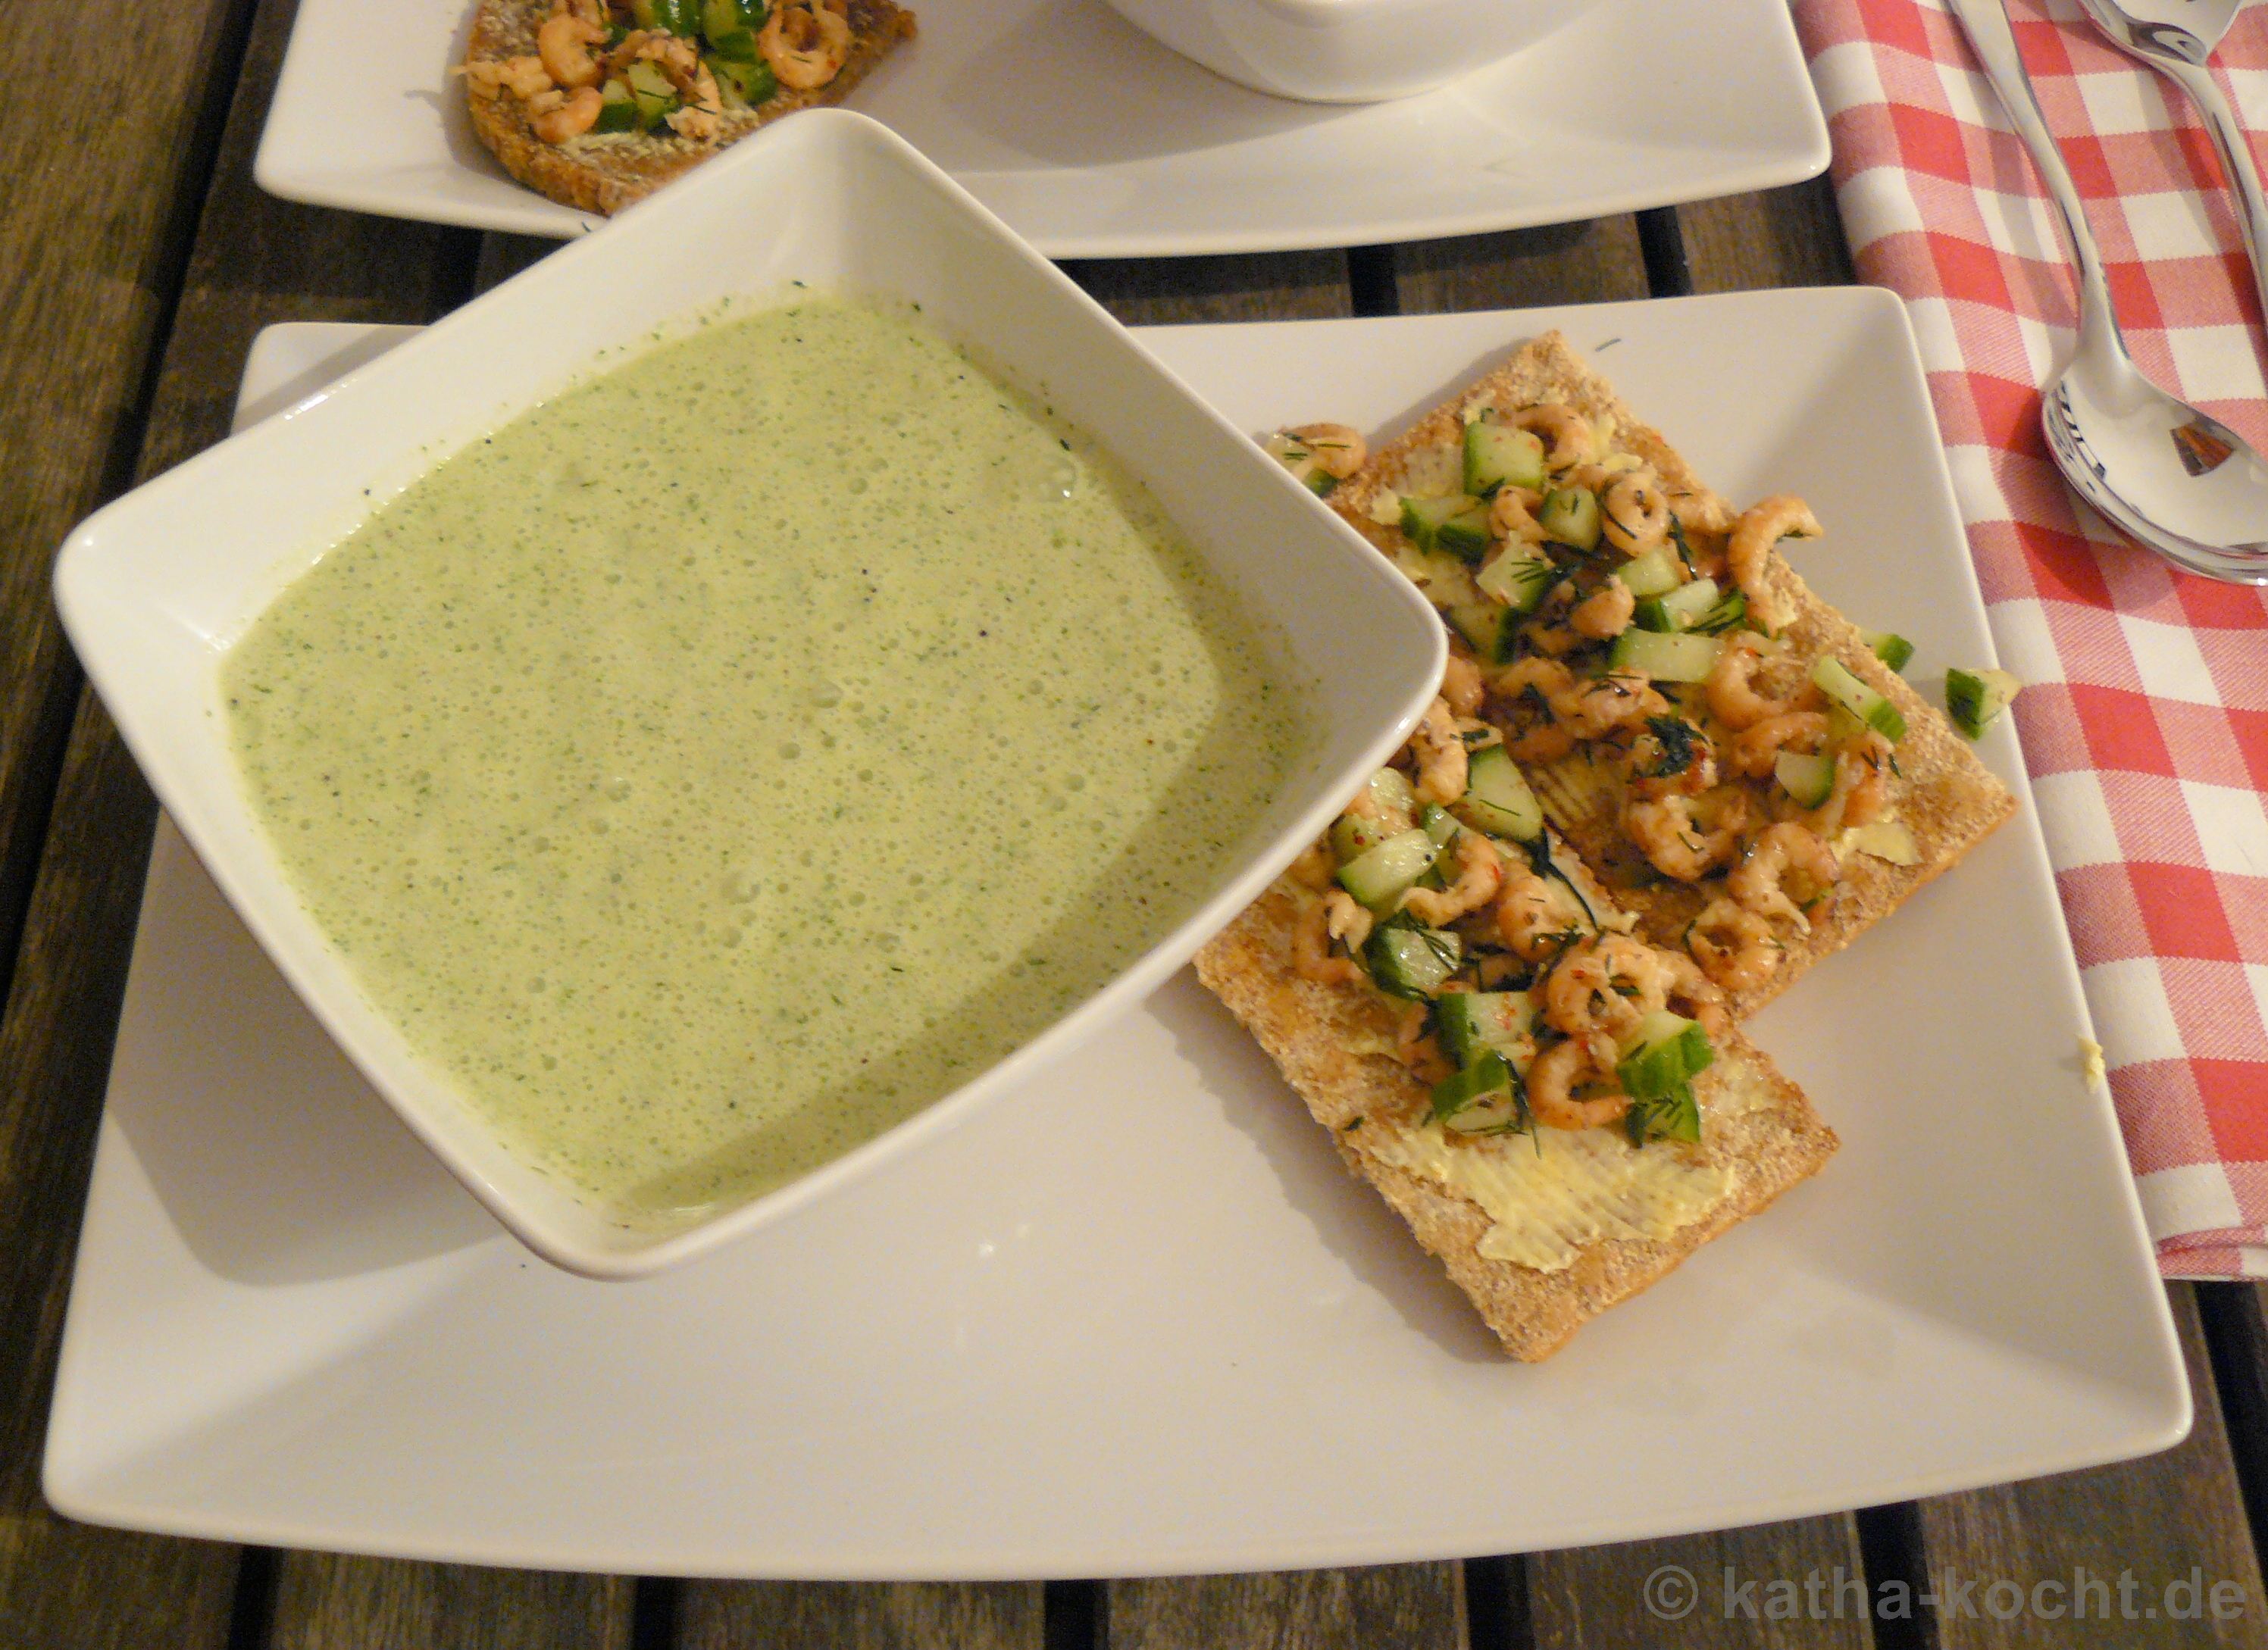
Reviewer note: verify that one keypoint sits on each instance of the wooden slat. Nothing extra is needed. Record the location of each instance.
(106, 136)
(1708, 1591)
(1783, 237)
(1573, 263)
(253, 260)
(859, 1615)
(2156, 1521)
(1271, 286)
(328, 1602)
(1408, 1606)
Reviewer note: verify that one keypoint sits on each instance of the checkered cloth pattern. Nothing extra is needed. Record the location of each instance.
(2145, 717)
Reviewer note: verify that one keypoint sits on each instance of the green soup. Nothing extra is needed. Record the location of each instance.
(728, 758)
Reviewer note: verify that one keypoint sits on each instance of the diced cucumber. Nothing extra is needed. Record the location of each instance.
(1497, 455)
(1378, 877)
(1679, 608)
(1497, 798)
(1656, 573)
(1837, 681)
(1730, 612)
(1475, 1022)
(678, 17)
(1570, 516)
(1808, 779)
(1891, 649)
(755, 83)
(1487, 1074)
(651, 91)
(725, 27)
(1391, 792)
(1457, 524)
(1499, 1111)
(1352, 836)
(1408, 959)
(1663, 1053)
(1493, 631)
(1519, 577)
(1974, 698)
(1674, 1117)
(1665, 657)
(1438, 823)
(617, 108)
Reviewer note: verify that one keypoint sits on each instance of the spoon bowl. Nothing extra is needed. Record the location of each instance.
(2175, 480)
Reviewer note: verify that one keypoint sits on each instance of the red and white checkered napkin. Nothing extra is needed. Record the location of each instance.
(2145, 720)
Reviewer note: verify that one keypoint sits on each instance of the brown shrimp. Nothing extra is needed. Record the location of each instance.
(1316, 868)
(1733, 944)
(1442, 766)
(1311, 947)
(1480, 872)
(1415, 1048)
(575, 114)
(1731, 687)
(1511, 516)
(1777, 851)
(1634, 513)
(1535, 916)
(1462, 687)
(1748, 552)
(1619, 699)
(1337, 449)
(1669, 831)
(1605, 613)
(1757, 747)
(1671, 757)
(1551, 1081)
(1567, 433)
(1861, 791)
(1607, 984)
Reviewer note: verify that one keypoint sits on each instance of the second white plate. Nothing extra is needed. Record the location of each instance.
(1140, 1321)
(1092, 140)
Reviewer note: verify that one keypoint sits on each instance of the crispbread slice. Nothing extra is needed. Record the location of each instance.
(605, 173)
(1947, 799)
(1333, 1043)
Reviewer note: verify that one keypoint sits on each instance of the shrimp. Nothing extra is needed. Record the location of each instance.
(1440, 750)
(1567, 433)
(1634, 512)
(1335, 449)
(1552, 1083)
(1415, 1047)
(1731, 688)
(1748, 554)
(1701, 512)
(1861, 789)
(1672, 757)
(525, 77)
(1605, 613)
(805, 45)
(1734, 945)
(1778, 849)
(1511, 516)
(1536, 916)
(1316, 868)
(1462, 688)
(1606, 985)
(1758, 746)
(575, 115)
(1619, 699)
(1480, 872)
(563, 45)
(1692, 991)
(1311, 948)
(1674, 840)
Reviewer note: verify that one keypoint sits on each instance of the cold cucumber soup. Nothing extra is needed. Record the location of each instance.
(728, 758)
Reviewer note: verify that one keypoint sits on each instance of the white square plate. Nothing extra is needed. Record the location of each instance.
(1137, 1318)
(1092, 140)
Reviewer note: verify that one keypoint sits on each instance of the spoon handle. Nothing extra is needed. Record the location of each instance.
(2235, 160)
(1994, 39)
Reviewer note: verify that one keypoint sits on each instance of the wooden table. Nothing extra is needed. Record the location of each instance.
(137, 260)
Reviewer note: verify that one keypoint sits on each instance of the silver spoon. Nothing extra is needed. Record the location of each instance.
(2179, 481)
(2149, 29)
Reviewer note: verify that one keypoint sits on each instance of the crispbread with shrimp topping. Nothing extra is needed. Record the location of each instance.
(606, 172)
(1944, 801)
(1573, 1239)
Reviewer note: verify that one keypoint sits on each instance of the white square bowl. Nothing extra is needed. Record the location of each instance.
(155, 588)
